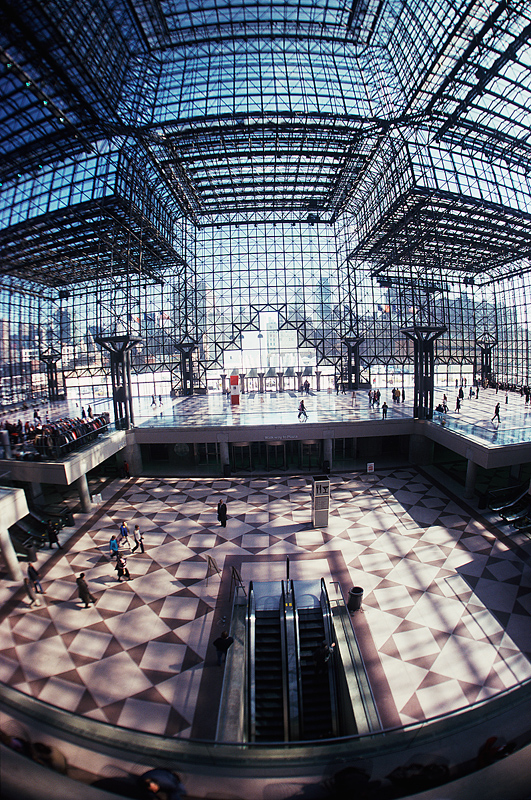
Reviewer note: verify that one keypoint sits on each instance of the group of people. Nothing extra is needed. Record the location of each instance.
(122, 540)
(374, 396)
(340, 386)
(442, 408)
(33, 587)
(398, 395)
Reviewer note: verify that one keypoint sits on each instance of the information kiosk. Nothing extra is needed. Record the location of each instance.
(320, 501)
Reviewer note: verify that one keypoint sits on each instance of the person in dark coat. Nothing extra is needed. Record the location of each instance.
(496, 413)
(222, 644)
(121, 568)
(51, 530)
(163, 784)
(35, 579)
(30, 591)
(222, 513)
(321, 657)
(83, 591)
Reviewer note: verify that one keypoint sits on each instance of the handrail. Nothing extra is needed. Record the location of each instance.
(292, 662)
(251, 674)
(366, 694)
(286, 646)
(233, 705)
(333, 662)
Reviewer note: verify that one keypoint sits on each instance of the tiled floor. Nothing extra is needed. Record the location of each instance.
(445, 618)
(473, 420)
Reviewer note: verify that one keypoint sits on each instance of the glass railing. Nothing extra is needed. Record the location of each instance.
(499, 712)
(499, 436)
(254, 413)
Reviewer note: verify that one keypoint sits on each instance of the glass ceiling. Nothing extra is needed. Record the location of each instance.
(150, 142)
(277, 108)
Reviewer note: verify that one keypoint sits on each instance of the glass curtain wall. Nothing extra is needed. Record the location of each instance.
(269, 299)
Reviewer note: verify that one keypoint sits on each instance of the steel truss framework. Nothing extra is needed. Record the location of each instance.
(174, 172)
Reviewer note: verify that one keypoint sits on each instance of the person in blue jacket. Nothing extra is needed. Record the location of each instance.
(113, 544)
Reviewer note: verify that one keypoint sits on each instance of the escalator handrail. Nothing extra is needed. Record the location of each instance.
(292, 659)
(251, 672)
(365, 689)
(506, 506)
(291, 710)
(333, 662)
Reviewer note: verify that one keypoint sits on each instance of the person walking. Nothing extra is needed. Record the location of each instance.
(222, 513)
(35, 579)
(124, 533)
(302, 411)
(457, 404)
(121, 569)
(51, 530)
(139, 540)
(30, 591)
(83, 591)
(222, 644)
(113, 544)
(384, 410)
(496, 413)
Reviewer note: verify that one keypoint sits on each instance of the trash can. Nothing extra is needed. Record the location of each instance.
(355, 596)
(226, 471)
(31, 552)
(68, 519)
(482, 502)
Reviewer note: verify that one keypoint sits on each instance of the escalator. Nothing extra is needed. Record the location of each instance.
(269, 705)
(289, 698)
(275, 688)
(316, 696)
(267, 711)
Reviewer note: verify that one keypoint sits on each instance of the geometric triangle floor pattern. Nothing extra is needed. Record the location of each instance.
(444, 623)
